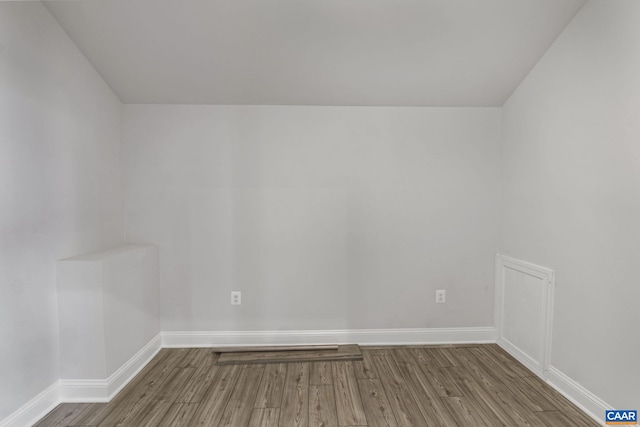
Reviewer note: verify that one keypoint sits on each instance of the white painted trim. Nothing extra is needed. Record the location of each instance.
(591, 404)
(83, 391)
(103, 390)
(32, 411)
(130, 369)
(503, 262)
(522, 357)
(475, 335)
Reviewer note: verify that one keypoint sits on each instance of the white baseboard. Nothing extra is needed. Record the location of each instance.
(71, 391)
(29, 413)
(538, 355)
(580, 396)
(103, 390)
(317, 337)
(522, 357)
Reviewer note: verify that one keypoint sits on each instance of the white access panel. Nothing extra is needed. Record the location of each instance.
(524, 309)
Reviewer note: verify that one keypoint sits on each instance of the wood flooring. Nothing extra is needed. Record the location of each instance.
(471, 386)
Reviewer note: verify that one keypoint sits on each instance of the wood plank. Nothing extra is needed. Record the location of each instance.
(240, 404)
(426, 397)
(377, 350)
(439, 378)
(504, 393)
(164, 361)
(486, 400)
(173, 385)
(364, 368)
(196, 357)
(558, 400)
(189, 358)
(151, 415)
(560, 419)
(179, 415)
(463, 413)
(294, 411)
(446, 357)
(447, 387)
(62, 415)
(320, 373)
(272, 348)
(344, 352)
(510, 367)
(201, 380)
(430, 357)
(264, 417)
(322, 406)
(481, 405)
(506, 359)
(493, 362)
(89, 410)
(424, 357)
(271, 387)
(211, 407)
(376, 404)
(530, 396)
(349, 403)
(132, 402)
(401, 401)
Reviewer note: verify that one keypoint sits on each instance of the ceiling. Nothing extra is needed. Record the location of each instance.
(314, 52)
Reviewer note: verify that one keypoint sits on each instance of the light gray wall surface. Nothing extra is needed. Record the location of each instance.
(324, 217)
(571, 193)
(132, 303)
(60, 186)
(328, 217)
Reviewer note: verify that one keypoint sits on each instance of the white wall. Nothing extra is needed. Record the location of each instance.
(60, 186)
(571, 175)
(324, 217)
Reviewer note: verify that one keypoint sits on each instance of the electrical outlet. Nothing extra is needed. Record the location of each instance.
(440, 296)
(236, 298)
